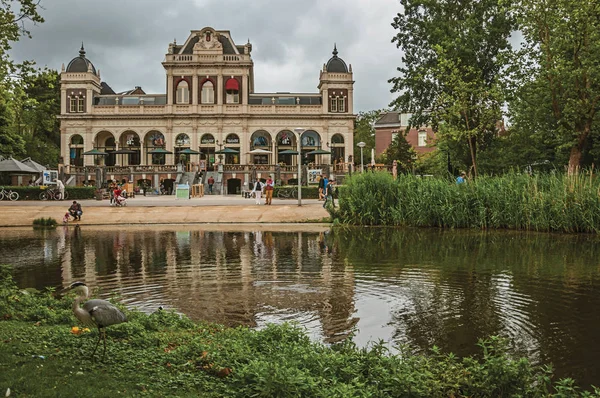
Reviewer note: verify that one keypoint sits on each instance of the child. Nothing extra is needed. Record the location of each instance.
(66, 218)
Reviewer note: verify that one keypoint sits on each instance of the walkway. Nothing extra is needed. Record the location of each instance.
(167, 210)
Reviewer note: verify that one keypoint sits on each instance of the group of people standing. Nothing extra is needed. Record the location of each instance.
(267, 187)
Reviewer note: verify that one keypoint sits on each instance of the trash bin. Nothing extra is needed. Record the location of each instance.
(182, 191)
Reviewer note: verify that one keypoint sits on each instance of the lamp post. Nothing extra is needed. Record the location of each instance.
(299, 131)
(361, 145)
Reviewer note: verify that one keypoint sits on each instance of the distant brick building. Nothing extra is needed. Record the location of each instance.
(392, 123)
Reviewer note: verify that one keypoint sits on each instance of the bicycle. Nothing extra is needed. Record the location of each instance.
(8, 194)
(53, 194)
(287, 193)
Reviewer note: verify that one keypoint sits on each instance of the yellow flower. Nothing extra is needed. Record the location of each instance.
(76, 330)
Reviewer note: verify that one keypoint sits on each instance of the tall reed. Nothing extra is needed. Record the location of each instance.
(550, 202)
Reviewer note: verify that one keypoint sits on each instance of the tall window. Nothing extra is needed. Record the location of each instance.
(334, 104)
(73, 104)
(232, 90)
(422, 138)
(80, 104)
(208, 93)
(183, 93)
(341, 104)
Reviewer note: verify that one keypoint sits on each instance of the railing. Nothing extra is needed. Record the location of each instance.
(207, 57)
(187, 109)
(230, 168)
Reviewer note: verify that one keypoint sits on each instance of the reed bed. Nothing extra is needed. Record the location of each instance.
(549, 202)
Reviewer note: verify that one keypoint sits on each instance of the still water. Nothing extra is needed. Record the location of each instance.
(410, 286)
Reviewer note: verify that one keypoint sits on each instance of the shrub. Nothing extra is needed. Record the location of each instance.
(33, 193)
(540, 203)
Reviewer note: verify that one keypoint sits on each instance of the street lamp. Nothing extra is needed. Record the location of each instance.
(299, 131)
(361, 145)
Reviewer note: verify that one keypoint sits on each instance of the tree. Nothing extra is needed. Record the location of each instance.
(364, 131)
(451, 68)
(13, 16)
(401, 151)
(562, 73)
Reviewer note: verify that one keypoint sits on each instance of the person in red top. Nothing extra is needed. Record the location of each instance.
(269, 190)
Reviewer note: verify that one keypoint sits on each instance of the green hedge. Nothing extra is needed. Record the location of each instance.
(513, 201)
(33, 193)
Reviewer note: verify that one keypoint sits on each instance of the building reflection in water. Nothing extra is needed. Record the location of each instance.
(235, 278)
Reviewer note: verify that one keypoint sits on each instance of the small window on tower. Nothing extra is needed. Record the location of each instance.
(80, 104)
(73, 104)
(334, 104)
(341, 104)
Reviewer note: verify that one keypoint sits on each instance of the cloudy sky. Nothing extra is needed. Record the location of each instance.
(128, 39)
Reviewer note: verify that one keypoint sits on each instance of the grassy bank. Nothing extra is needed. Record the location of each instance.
(522, 202)
(164, 354)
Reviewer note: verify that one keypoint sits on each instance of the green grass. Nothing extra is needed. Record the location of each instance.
(514, 201)
(165, 354)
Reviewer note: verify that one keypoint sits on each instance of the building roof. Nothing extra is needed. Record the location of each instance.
(389, 118)
(106, 89)
(336, 64)
(81, 63)
(226, 42)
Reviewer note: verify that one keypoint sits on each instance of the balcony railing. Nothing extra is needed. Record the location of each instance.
(184, 58)
(229, 168)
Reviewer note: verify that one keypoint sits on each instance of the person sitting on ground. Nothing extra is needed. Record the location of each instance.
(75, 211)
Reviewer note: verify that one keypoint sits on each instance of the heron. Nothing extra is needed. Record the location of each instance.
(95, 313)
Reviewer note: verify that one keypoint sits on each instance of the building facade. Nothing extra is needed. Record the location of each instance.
(210, 118)
(392, 123)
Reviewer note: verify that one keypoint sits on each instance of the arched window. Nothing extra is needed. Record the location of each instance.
(208, 93)
(232, 89)
(76, 150)
(183, 93)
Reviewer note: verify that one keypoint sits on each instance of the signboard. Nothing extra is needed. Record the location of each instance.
(182, 191)
(313, 175)
(49, 177)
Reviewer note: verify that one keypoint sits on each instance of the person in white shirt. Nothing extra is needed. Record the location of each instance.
(61, 188)
(257, 190)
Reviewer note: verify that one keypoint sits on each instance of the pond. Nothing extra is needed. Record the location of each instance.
(405, 286)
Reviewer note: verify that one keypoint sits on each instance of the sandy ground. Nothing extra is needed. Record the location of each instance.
(168, 210)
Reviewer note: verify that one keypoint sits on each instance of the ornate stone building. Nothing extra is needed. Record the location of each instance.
(210, 115)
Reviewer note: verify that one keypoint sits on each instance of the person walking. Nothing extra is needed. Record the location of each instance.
(329, 194)
(269, 187)
(211, 182)
(61, 188)
(321, 188)
(257, 190)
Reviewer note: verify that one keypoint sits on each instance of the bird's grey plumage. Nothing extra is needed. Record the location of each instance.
(104, 313)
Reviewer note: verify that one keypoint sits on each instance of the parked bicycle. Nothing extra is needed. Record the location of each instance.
(10, 195)
(53, 194)
(287, 193)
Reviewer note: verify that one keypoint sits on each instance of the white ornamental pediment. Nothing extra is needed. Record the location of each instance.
(182, 122)
(229, 72)
(232, 122)
(182, 72)
(205, 122)
(76, 123)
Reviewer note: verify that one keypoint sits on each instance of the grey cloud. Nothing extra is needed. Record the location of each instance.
(127, 39)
